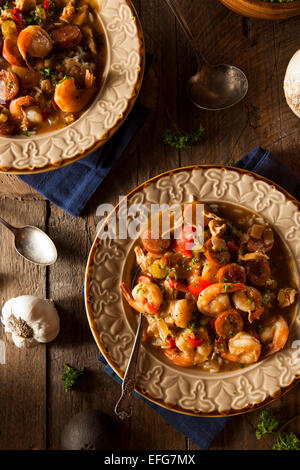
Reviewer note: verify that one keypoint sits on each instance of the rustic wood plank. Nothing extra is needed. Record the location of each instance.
(23, 376)
(74, 345)
(148, 430)
(11, 186)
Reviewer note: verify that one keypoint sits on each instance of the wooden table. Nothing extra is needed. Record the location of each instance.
(33, 404)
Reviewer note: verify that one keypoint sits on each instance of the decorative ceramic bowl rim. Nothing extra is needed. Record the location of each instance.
(283, 387)
(274, 5)
(119, 90)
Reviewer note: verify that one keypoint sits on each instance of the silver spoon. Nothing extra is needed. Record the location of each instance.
(123, 408)
(33, 244)
(213, 87)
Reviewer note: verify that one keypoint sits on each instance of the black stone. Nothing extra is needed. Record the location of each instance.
(90, 430)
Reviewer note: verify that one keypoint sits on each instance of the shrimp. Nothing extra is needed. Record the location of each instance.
(143, 260)
(274, 335)
(209, 272)
(24, 110)
(71, 99)
(34, 41)
(243, 348)
(179, 358)
(215, 299)
(190, 351)
(146, 297)
(182, 312)
(249, 300)
(11, 52)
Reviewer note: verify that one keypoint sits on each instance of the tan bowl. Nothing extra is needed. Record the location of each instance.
(112, 321)
(264, 10)
(121, 83)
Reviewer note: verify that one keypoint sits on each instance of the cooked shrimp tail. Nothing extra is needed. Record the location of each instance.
(71, 99)
(280, 332)
(146, 297)
(179, 358)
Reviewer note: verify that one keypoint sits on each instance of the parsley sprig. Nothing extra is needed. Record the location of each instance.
(72, 377)
(268, 424)
(180, 139)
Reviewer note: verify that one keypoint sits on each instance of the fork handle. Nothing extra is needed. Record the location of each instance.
(123, 406)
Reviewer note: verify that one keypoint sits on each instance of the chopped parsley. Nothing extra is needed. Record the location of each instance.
(34, 17)
(5, 5)
(47, 72)
(141, 290)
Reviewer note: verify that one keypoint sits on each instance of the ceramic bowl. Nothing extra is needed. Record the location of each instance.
(120, 87)
(112, 321)
(264, 10)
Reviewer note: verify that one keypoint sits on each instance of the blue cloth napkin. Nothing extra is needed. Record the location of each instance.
(73, 186)
(203, 431)
(266, 164)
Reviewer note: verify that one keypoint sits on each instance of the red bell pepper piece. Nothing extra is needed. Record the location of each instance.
(18, 16)
(183, 244)
(194, 340)
(152, 308)
(198, 285)
(171, 342)
(232, 246)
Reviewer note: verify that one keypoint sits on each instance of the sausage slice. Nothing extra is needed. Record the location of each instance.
(9, 85)
(67, 36)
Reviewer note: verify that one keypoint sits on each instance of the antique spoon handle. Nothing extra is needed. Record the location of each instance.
(7, 225)
(181, 20)
(123, 408)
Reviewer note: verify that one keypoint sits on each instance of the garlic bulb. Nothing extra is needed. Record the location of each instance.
(30, 320)
(292, 84)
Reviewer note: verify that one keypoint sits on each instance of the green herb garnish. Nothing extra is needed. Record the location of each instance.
(287, 442)
(72, 377)
(46, 72)
(34, 17)
(267, 423)
(180, 139)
